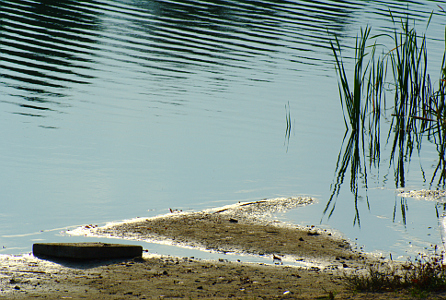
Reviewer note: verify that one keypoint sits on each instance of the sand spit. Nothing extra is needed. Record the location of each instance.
(245, 228)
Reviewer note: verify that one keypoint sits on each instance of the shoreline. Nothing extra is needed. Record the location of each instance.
(159, 277)
(245, 228)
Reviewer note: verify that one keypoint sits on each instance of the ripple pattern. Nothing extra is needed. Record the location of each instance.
(50, 48)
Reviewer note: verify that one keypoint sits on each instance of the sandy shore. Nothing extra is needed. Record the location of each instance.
(241, 228)
(167, 277)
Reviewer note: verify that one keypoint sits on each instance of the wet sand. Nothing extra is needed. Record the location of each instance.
(245, 228)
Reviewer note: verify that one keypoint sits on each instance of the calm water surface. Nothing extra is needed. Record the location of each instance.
(115, 109)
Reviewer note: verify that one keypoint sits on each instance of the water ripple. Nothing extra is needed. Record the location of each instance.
(48, 48)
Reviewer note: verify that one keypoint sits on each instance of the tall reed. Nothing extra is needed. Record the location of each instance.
(409, 68)
(435, 111)
(418, 109)
(351, 99)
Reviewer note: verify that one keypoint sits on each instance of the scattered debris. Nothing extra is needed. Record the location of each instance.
(90, 226)
(430, 195)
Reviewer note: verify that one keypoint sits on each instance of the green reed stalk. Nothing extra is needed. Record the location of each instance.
(436, 109)
(351, 99)
(375, 103)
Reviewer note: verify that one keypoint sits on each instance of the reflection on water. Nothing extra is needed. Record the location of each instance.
(116, 107)
(288, 126)
(351, 157)
(44, 48)
(50, 47)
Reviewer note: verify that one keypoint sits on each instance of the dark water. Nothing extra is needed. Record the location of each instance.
(116, 109)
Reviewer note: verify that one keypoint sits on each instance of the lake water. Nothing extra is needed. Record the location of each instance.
(116, 109)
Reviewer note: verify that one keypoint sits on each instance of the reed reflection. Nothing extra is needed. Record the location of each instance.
(288, 125)
(349, 157)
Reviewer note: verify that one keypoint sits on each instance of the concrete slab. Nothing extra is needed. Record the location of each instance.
(86, 251)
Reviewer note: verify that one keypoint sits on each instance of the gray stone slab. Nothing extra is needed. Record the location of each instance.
(86, 251)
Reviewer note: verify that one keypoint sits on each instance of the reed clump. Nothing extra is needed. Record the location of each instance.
(427, 273)
(390, 94)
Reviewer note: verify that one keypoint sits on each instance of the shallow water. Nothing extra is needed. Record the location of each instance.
(117, 109)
